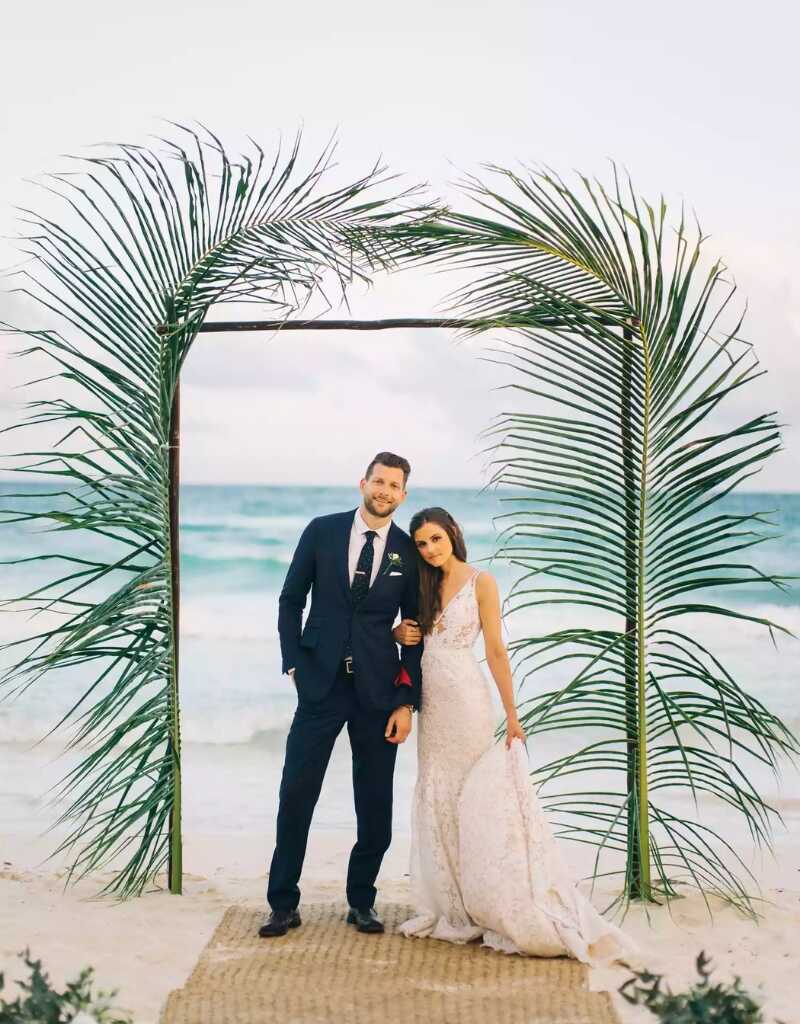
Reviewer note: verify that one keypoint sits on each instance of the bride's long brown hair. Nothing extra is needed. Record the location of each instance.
(430, 578)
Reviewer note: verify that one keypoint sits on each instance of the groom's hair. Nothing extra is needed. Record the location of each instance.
(393, 462)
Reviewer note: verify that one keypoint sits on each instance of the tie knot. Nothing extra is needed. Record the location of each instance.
(370, 535)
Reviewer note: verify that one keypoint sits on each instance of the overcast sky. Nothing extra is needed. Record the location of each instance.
(698, 100)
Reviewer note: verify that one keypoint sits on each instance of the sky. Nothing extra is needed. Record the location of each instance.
(697, 100)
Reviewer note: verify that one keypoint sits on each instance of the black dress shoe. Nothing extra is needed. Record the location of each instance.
(365, 919)
(278, 923)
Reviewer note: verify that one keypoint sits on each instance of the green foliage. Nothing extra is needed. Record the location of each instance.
(704, 1003)
(150, 238)
(614, 323)
(40, 1004)
(622, 349)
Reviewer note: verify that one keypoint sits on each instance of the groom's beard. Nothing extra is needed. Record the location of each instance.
(373, 509)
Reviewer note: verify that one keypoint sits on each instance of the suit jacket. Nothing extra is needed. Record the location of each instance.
(316, 650)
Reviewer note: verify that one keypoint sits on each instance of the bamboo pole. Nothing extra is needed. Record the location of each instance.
(392, 323)
(175, 864)
(629, 650)
(175, 870)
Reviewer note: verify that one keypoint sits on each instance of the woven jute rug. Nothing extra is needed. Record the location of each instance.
(326, 971)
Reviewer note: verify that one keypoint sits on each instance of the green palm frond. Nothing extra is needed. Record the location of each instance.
(620, 346)
(152, 238)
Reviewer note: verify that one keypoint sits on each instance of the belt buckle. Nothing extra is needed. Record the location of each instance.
(348, 665)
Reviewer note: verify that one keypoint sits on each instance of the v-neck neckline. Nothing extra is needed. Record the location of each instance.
(469, 579)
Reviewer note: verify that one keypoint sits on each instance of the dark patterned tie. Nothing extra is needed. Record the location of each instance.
(360, 585)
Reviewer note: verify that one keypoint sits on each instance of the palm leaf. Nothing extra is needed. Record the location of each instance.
(150, 238)
(619, 355)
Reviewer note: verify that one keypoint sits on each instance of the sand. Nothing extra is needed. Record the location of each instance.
(146, 947)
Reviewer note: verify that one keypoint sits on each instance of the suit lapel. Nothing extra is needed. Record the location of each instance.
(342, 548)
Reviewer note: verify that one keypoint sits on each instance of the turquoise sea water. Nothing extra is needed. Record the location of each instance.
(236, 543)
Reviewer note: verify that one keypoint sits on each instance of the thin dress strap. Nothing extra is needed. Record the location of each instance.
(467, 583)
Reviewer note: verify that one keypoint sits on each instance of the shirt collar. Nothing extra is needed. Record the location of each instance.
(361, 527)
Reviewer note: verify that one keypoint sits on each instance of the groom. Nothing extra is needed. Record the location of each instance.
(360, 569)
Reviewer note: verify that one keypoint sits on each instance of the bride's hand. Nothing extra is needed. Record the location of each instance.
(514, 731)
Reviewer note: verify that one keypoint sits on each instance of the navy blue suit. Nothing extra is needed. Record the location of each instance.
(329, 698)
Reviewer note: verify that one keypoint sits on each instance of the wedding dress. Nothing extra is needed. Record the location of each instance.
(484, 863)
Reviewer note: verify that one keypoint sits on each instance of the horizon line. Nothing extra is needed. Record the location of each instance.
(32, 481)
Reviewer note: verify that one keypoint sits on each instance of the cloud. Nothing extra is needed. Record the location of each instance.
(428, 405)
(482, 89)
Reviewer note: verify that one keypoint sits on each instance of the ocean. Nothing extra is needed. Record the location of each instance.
(236, 543)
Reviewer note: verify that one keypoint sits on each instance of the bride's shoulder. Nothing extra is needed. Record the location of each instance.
(484, 581)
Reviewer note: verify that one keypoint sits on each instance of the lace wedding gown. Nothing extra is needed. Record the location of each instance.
(484, 863)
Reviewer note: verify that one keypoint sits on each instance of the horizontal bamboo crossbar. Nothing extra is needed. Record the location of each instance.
(220, 326)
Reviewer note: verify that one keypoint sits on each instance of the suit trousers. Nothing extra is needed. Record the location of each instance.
(314, 729)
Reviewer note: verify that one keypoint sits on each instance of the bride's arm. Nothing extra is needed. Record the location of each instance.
(496, 654)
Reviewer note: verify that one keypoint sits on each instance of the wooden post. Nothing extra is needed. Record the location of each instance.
(344, 325)
(175, 868)
(629, 648)
(174, 510)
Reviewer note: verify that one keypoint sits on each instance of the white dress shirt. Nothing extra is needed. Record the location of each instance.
(357, 541)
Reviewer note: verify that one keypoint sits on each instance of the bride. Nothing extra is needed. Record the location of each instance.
(484, 863)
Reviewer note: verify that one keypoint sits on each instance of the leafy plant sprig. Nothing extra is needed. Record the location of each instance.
(40, 1003)
(703, 1003)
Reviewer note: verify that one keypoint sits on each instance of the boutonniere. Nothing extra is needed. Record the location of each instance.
(394, 563)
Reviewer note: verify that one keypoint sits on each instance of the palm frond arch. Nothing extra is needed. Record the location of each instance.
(630, 338)
(156, 238)
(629, 352)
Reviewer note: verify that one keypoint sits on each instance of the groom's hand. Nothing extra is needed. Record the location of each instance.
(399, 725)
(407, 633)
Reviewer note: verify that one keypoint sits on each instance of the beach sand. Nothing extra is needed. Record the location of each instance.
(146, 947)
